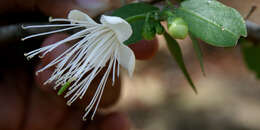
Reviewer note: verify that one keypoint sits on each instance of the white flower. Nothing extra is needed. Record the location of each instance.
(100, 45)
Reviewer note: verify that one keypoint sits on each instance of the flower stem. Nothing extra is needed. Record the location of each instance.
(135, 18)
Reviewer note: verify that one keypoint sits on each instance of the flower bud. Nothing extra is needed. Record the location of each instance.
(159, 28)
(148, 31)
(177, 28)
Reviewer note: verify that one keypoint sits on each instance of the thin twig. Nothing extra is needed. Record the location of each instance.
(253, 30)
(252, 10)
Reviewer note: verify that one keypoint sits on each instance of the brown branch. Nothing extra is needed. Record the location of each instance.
(253, 30)
(11, 34)
(252, 10)
(14, 33)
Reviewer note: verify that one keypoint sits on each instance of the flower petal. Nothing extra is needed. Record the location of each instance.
(99, 45)
(122, 28)
(80, 16)
(126, 58)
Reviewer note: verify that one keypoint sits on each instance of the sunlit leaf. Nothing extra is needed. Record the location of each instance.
(213, 22)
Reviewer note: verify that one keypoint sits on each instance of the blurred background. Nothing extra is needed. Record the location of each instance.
(158, 97)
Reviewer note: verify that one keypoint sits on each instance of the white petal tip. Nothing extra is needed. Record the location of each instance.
(121, 27)
(80, 16)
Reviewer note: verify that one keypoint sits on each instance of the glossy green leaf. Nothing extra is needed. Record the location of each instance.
(175, 50)
(131, 10)
(251, 55)
(198, 51)
(213, 22)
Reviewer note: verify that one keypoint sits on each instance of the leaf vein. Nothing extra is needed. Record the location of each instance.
(208, 21)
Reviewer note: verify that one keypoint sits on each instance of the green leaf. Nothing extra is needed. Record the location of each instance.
(251, 55)
(198, 51)
(135, 10)
(213, 22)
(175, 50)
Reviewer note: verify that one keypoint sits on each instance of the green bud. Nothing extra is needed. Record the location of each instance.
(156, 16)
(177, 28)
(148, 31)
(159, 28)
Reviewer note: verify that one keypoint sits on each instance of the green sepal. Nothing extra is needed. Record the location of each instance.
(149, 30)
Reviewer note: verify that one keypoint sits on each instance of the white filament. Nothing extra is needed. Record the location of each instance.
(98, 45)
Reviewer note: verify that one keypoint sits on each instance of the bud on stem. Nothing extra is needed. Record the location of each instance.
(177, 28)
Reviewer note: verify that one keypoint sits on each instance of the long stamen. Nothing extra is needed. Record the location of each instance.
(51, 32)
(105, 56)
(53, 46)
(98, 93)
(49, 47)
(102, 59)
(87, 80)
(93, 53)
(114, 66)
(50, 25)
(98, 48)
(72, 21)
(102, 86)
(67, 52)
